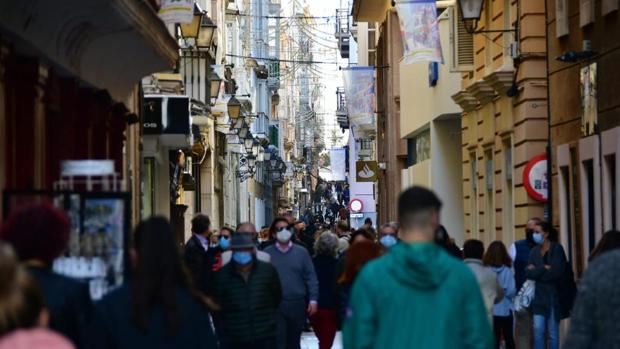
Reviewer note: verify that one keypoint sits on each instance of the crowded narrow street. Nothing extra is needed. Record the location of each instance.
(309, 174)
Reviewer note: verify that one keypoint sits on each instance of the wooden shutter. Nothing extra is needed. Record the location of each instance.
(561, 18)
(461, 44)
(609, 6)
(586, 12)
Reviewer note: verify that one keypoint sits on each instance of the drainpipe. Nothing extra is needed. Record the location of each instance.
(549, 145)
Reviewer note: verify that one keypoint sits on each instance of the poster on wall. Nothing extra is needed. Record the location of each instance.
(359, 85)
(589, 99)
(419, 31)
(535, 178)
(99, 226)
(338, 159)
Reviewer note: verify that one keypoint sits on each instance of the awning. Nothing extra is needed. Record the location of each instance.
(110, 44)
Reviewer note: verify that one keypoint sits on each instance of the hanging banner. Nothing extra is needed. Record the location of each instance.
(359, 86)
(338, 160)
(176, 11)
(419, 31)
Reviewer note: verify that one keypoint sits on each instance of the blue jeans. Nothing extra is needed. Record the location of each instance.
(552, 326)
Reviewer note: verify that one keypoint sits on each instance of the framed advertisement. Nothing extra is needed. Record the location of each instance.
(97, 252)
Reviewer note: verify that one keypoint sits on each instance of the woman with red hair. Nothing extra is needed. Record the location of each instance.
(39, 233)
(358, 255)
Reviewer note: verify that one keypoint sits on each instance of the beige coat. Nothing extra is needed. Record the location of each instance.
(492, 292)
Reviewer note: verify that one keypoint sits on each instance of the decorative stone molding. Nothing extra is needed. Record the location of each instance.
(482, 91)
(465, 100)
(501, 80)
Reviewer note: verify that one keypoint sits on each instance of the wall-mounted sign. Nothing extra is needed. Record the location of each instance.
(366, 171)
(166, 115)
(589, 99)
(356, 205)
(535, 178)
(87, 168)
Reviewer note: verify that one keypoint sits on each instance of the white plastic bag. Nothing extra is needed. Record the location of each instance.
(524, 298)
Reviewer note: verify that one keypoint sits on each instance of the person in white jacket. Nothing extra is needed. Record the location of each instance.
(492, 293)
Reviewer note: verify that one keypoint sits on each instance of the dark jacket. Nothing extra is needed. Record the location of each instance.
(69, 304)
(248, 309)
(546, 293)
(115, 328)
(595, 317)
(325, 268)
(343, 294)
(199, 262)
(522, 257)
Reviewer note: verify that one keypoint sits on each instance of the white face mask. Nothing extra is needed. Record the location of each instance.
(284, 236)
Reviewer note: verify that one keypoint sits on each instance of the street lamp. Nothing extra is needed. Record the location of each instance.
(251, 162)
(192, 29)
(215, 82)
(267, 155)
(234, 108)
(471, 10)
(255, 147)
(243, 131)
(248, 143)
(205, 35)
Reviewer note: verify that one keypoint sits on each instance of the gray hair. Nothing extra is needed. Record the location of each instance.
(392, 225)
(326, 244)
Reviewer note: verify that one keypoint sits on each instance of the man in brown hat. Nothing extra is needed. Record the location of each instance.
(248, 293)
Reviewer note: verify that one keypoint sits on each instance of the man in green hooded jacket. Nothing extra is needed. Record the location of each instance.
(417, 295)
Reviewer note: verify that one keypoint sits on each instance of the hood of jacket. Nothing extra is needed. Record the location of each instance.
(419, 265)
(499, 269)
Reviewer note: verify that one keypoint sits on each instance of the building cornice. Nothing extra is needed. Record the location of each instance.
(465, 100)
(501, 80)
(482, 91)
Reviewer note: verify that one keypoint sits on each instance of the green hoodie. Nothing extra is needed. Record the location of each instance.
(416, 296)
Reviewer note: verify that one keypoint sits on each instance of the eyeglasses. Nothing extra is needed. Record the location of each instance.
(279, 229)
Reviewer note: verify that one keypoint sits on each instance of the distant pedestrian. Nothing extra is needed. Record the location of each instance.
(442, 238)
(158, 307)
(492, 293)
(23, 316)
(388, 234)
(520, 254)
(325, 321)
(223, 246)
(359, 254)
(248, 293)
(546, 267)
(247, 228)
(417, 296)
(39, 234)
(595, 317)
(498, 259)
(299, 285)
(198, 256)
(609, 242)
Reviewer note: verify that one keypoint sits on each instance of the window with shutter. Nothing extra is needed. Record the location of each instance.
(586, 12)
(609, 6)
(561, 15)
(461, 44)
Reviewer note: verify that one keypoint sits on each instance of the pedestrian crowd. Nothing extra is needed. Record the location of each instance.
(404, 285)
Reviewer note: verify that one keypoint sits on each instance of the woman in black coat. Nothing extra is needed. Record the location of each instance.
(157, 308)
(546, 266)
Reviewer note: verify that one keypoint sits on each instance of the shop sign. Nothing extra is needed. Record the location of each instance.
(366, 171)
(87, 168)
(176, 11)
(535, 178)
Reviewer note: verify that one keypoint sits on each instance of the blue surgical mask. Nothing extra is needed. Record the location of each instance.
(538, 238)
(242, 257)
(388, 241)
(224, 243)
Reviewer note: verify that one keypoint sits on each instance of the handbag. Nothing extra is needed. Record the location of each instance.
(524, 298)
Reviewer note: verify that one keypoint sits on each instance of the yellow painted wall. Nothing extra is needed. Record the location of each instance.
(420, 103)
(420, 174)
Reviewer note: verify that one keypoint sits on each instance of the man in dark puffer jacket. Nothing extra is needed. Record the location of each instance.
(595, 321)
(248, 292)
